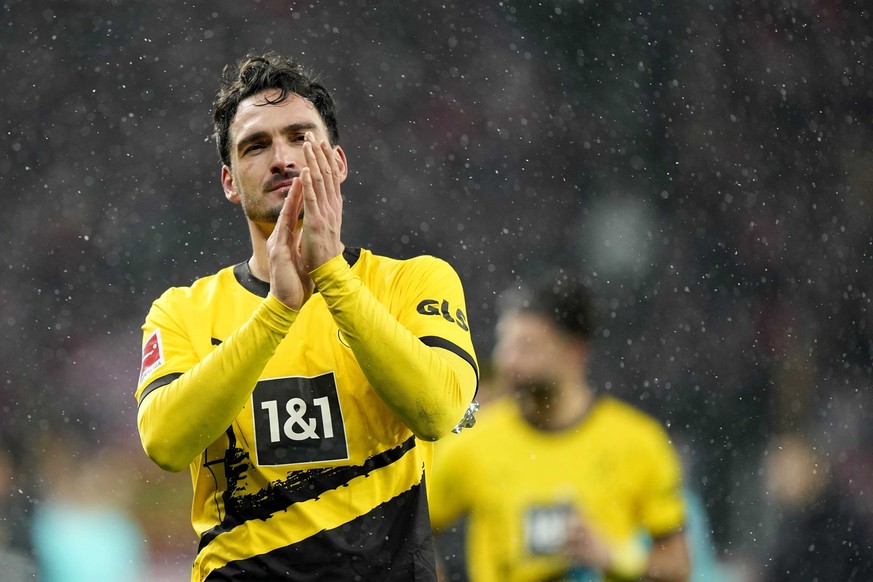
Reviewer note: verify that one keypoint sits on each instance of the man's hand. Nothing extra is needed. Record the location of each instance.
(297, 246)
(289, 278)
(322, 204)
(584, 547)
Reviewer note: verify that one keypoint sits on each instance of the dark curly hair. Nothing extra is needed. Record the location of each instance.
(559, 296)
(256, 73)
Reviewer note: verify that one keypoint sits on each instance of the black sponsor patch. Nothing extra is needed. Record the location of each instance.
(298, 420)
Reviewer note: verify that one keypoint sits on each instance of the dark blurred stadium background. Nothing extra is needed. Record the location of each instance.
(706, 165)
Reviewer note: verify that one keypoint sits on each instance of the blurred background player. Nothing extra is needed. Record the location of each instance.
(558, 483)
(819, 533)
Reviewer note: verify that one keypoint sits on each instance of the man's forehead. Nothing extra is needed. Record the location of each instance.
(522, 320)
(262, 105)
(270, 97)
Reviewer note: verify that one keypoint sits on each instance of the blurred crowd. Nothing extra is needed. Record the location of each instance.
(705, 165)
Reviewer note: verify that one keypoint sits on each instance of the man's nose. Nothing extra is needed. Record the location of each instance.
(283, 158)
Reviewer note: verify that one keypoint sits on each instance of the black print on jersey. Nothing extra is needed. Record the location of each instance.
(433, 307)
(299, 486)
(298, 420)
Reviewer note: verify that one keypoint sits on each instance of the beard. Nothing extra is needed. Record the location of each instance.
(534, 389)
(258, 208)
(260, 211)
(536, 398)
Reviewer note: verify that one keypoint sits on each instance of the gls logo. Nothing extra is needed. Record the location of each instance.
(432, 307)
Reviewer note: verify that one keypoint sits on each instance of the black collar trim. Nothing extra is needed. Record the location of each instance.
(262, 288)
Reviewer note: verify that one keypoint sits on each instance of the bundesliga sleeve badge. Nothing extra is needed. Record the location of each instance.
(152, 355)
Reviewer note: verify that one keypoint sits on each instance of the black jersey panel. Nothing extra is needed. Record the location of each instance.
(366, 548)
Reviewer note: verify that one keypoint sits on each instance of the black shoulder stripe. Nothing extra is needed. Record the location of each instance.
(439, 342)
(162, 381)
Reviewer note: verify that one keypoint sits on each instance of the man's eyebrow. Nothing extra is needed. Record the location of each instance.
(288, 129)
(251, 138)
(298, 127)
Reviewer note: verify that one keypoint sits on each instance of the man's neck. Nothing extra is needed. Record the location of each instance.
(259, 263)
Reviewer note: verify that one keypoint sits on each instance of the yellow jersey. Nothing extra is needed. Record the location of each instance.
(518, 485)
(316, 478)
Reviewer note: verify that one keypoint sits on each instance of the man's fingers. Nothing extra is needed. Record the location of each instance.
(330, 160)
(325, 176)
(310, 200)
(284, 222)
(297, 229)
(297, 208)
(322, 159)
(315, 167)
(288, 214)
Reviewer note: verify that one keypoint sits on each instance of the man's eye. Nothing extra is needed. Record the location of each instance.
(253, 148)
(301, 137)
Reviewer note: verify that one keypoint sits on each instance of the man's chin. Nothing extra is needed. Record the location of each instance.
(534, 387)
(267, 216)
(263, 219)
(272, 216)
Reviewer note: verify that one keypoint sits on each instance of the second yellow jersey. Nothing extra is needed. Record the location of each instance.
(518, 485)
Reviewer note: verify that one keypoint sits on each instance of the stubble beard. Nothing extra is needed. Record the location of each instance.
(533, 387)
(257, 208)
(537, 399)
(260, 210)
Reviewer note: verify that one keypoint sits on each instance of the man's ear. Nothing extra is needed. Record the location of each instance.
(341, 163)
(230, 191)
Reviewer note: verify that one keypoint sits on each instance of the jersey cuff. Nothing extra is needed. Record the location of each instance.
(328, 270)
(276, 314)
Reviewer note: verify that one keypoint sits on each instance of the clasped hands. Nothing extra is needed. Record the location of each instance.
(307, 234)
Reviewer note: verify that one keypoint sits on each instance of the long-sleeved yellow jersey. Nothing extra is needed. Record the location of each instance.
(300, 427)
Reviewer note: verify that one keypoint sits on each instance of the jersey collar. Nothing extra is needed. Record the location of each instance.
(262, 288)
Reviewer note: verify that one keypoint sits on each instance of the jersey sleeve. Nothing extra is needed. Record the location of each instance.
(167, 347)
(663, 508)
(187, 399)
(415, 349)
(434, 308)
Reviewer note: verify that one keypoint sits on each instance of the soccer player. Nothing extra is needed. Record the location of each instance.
(303, 386)
(556, 482)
